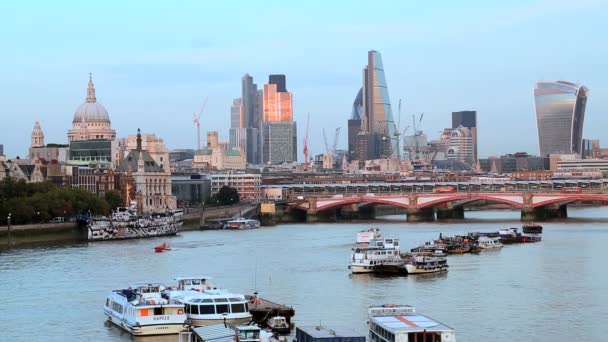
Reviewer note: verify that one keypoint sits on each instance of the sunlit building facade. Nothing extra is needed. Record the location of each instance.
(560, 112)
(277, 104)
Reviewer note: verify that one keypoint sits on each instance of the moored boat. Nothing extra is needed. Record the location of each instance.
(389, 323)
(242, 223)
(425, 262)
(525, 238)
(365, 236)
(127, 223)
(381, 256)
(509, 235)
(206, 304)
(485, 242)
(141, 311)
(532, 228)
(278, 324)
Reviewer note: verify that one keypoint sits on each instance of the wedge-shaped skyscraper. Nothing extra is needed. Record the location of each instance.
(560, 111)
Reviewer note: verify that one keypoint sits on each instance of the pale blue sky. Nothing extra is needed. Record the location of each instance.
(153, 64)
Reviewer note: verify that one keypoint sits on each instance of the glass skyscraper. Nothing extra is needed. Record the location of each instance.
(377, 118)
(560, 111)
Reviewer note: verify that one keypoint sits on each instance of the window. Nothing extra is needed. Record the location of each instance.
(158, 311)
(194, 309)
(222, 308)
(236, 308)
(207, 310)
(221, 300)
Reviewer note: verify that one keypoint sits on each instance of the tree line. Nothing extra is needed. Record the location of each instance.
(39, 202)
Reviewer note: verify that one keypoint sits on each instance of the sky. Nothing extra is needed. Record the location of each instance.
(154, 64)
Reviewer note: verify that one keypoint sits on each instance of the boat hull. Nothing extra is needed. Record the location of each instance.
(124, 233)
(377, 269)
(412, 269)
(204, 322)
(148, 330)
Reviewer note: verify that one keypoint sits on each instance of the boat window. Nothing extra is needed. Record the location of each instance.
(196, 282)
(208, 300)
(249, 335)
(107, 302)
(187, 282)
(198, 300)
(207, 310)
(424, 337)
(158, 311)
(246, 307)
(194, 309)
(222, 308)
(187, 308)
(221, 300)
(236, 308)
(236, 300)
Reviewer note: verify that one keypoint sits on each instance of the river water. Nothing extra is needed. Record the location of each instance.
(555, 290)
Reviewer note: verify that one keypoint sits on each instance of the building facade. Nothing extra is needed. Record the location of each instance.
(468, 119)
(460, 145)
(279, 142)
(560, 112)
(248, 185)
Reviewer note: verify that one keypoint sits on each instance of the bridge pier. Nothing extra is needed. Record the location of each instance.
(450, 213)
(420, 215)
(548, 212)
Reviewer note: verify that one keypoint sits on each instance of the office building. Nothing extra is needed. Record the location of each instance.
(560, 112)
(377, 115)
(460, 145)
(277, 104)
(468, 119)
(279, 142)
(354, 128)
(248, 185)
(250, 119)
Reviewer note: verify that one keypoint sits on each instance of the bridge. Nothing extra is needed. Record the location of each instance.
(537, 200)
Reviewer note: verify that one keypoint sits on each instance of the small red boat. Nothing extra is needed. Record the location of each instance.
(162, 247)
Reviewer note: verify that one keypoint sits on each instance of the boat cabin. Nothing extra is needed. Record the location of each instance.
(384, 243)
(222, 333)
(194, 283)
(391, 323)
(324, 334)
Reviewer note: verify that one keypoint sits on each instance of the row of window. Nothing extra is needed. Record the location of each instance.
(383, 334)
(114, 306)
(216, 309)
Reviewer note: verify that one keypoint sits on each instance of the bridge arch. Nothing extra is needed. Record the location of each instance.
(514, 200)
(542, 201)
(401, 202)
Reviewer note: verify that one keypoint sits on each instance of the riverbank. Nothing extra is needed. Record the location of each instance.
(41, 233)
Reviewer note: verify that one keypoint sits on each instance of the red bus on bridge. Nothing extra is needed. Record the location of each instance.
(571, 190)
(444, 189)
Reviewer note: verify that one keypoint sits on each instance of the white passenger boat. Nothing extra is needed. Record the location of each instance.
(278, 324)
(381, 256)
(141, 311)
(206, 304)
(390, 323)
(426, 262)
(365, 236)
(485, 242)
(242, 223)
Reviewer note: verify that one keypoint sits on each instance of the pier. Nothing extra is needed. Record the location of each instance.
(262, 309)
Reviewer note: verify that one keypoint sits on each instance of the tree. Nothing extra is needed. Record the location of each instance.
(113, 199)
(226, 196)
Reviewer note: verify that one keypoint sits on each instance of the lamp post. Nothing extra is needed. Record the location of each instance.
(8, 220)
(38, 216)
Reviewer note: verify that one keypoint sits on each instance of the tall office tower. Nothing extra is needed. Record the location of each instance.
(377, 118)
(468, 119)
(279, 142)
(460, 145)
(354, 128)
(238, 131)
(251, 119)
(280, 81)
(279, 133)
(560, 111)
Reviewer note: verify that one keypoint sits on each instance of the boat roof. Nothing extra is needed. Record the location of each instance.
(409, 323)
(191, 278)
(324, 332)
(214, 332)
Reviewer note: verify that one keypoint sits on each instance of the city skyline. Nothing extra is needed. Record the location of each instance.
(454, 68)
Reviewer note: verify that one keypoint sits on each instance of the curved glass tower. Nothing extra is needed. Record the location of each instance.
(560, 111)
(377, 113)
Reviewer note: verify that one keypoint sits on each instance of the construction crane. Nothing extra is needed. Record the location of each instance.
(305, 151)
(197, 123)
(335, 145)
(325, 140)
(398, 130)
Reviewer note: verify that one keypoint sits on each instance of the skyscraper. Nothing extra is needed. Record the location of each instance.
(468, 119)
(279, 133)
(377, 115)
(238, 131)
(251, 119)
(560, 111)
(354, 128)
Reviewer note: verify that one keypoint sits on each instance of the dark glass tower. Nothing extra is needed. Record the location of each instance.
(560, 112)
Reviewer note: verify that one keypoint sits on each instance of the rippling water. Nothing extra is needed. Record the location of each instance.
(556, 290)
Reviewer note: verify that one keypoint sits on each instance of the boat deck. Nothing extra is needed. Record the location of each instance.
(265, 309)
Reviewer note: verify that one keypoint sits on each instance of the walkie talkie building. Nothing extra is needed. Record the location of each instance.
(560, 112)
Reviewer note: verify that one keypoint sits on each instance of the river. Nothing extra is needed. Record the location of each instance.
(555, 290)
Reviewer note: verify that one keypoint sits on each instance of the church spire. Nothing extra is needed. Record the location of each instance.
(91, 90)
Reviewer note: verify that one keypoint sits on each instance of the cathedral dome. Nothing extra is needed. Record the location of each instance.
(91, 110)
